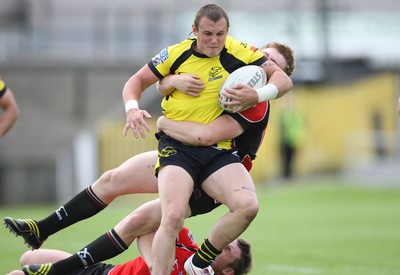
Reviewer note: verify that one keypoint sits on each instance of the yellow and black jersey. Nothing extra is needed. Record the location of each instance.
(3, 88)
(182, 58)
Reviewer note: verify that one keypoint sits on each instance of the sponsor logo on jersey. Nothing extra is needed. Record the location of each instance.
(160, 58)
(156, 61)
(164, 55)
(215, 73)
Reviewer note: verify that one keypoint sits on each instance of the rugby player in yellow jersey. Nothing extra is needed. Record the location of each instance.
(212, 55)
(135, 175)
(243, 204)
(9, 108)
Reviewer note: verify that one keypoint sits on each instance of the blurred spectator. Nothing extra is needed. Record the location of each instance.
(9, 107)
(292, 132)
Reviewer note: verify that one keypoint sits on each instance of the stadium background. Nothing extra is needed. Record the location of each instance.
(67, 62)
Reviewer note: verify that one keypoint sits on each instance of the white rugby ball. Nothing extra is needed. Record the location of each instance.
(251, 75)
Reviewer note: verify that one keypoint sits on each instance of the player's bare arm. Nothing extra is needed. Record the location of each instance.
(222, 128)
(189, 84)
(131, 94)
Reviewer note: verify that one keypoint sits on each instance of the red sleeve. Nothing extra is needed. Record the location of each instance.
(135, 267)
(185, 247)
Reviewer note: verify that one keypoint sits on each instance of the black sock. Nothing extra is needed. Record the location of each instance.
(82, 206)
(205, 255)
(105, 247)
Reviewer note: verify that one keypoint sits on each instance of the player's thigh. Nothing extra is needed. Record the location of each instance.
(41, 256)
(175, 188)
(231, 185)
(144, 219)
(136, 175)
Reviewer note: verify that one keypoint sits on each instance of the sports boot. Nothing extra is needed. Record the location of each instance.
(27, 229)
(38, 269)
(191, 269)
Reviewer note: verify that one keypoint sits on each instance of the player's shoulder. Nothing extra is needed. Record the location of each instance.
(181, 46)
(232, 43)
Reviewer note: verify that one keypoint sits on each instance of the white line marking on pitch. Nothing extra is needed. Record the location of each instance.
(293, 269)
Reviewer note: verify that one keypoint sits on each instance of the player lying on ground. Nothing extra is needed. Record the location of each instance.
(235, 259)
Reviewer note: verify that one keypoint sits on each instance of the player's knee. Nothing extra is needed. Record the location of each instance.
(252, 210)
(105, 180)
(174, 221)
(249, 209)
(108, 182)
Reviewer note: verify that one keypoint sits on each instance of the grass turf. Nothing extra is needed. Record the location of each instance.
(326, 227)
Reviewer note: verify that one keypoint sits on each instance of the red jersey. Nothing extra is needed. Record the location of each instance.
(185, 247)
(254, 122)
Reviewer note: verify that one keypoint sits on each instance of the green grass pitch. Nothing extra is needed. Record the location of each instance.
(324, 228)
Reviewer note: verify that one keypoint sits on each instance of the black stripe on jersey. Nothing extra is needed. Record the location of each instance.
(231, 63)
(154, 70)
(180, 60)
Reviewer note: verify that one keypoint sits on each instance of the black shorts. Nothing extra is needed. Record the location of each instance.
(95, 269)
(201, 203)
(199, 161)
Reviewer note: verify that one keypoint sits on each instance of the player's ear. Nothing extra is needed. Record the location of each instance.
(228, 271)
(194, 30)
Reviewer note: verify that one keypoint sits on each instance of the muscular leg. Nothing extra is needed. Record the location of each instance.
(175, 188)
(143, 220)
(233, 186)
(135, 175)
(144, 244)
(140, 223)
(40, 256)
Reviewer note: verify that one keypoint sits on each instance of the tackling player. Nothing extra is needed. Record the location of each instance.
(229, 261)
(212, 55)
(120, 181)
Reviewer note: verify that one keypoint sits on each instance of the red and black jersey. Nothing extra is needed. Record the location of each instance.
(254, 122)
(185, 247)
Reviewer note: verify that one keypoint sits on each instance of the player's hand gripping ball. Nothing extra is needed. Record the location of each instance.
(251, 75)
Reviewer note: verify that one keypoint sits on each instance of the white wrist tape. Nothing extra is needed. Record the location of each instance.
(267, 92)
(131, 104)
